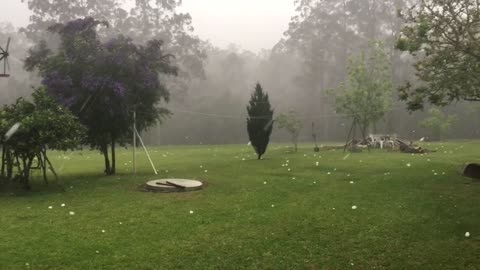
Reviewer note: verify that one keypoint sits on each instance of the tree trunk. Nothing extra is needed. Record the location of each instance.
(25, 178)
(9, 164)
(3, 162)
(43, 165)
(107, 161)
(47, 161)
(112, 169)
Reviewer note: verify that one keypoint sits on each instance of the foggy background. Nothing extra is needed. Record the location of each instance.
(297, 50)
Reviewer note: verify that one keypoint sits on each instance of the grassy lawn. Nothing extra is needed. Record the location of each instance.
(407, 217)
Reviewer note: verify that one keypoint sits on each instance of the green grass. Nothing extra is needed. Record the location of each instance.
(407, 217)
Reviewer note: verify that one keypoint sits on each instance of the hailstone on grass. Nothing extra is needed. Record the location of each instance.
(71, 213)
(354, 207)
(467, 234)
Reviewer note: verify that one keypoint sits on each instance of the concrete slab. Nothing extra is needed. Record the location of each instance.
(186, 184)
(174, 185)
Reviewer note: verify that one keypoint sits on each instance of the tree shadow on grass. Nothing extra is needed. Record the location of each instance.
(84, 182)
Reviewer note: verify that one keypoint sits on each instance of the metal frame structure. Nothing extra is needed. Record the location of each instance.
(4, 54)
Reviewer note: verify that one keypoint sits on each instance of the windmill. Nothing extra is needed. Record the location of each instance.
(4, 57)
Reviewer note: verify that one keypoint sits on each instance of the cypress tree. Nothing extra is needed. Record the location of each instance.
(259, 121)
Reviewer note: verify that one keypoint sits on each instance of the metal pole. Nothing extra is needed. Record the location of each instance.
(134, 142)
(146, 151)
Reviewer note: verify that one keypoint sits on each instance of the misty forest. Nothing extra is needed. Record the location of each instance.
(131, 142)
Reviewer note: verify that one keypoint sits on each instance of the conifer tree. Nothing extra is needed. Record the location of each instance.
(259, 121)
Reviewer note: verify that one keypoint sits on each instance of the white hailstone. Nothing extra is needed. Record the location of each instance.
(409, 165)
(103, 231)
(96, 251)
(467, 234)
(71, 213)
(62, 205)
(50, 207)
(314, 182)
(243, 159)
(354, 207)
(206, 171)
(335, 169)
(191, 211)
(329, 173)
(265, 183)
(289, 169)
(304, 155)
(348, 175)
(435, 174)
(333, 208)
(288, 161)
(443, 173)
(273, 205)
(201, 167)
(428, 160)
(351, 182)
(293, 178)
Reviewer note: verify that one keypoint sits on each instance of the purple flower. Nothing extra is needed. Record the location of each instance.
(57, 82)
(119, 89)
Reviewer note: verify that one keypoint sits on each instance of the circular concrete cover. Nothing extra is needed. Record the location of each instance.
(174, 185)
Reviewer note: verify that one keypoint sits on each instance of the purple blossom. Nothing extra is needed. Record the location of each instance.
(68, 101)
(57, 83)
(119, 89)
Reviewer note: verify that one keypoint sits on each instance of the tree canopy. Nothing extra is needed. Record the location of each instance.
(444, 38)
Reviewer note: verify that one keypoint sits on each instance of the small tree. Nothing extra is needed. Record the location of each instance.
(367, 93)
(42, 125)
(259, 121)
(438, 123)
(290, 122)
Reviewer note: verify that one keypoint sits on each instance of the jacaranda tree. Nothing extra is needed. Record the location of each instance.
(104, 83)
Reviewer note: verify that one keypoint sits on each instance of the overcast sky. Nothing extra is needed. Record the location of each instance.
(252, 24)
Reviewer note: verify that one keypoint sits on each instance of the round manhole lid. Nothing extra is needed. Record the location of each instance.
(174, 185)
